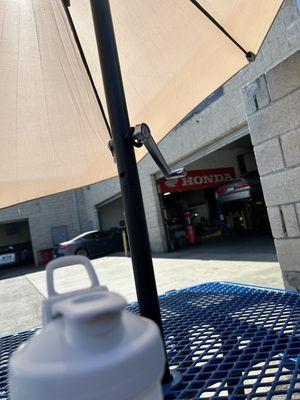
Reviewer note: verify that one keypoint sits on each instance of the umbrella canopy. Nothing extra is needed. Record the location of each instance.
(173, 54)
(52, 135)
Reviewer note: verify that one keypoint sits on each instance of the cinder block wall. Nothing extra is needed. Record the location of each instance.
(221, 118)
(204, 128)
(48, 212)
(273, 110)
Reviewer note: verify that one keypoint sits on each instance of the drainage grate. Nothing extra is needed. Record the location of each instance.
(228, 341)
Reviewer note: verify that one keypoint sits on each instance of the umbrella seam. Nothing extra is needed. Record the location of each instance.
(46, 105)
(82, 55)
(76, 104)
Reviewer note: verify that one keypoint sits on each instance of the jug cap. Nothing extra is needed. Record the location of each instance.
(54, 297)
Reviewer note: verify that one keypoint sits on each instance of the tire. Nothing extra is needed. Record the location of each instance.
(82, 252)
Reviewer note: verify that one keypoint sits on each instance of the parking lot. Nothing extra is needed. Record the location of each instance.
(251, 261)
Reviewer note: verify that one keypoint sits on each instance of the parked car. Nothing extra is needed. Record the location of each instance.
(242, 207)
(91, 244)
(24, 253)
(239, 189)
(7, 255)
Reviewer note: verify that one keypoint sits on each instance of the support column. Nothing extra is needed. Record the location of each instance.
(273, 111)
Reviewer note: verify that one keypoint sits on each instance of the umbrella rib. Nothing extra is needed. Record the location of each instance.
(249, 55)
(66, 4)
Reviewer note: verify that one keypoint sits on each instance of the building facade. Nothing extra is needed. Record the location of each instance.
(251, 125)
(40, 224)
(260, 103)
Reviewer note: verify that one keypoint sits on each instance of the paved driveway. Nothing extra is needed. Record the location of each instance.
(252, 261)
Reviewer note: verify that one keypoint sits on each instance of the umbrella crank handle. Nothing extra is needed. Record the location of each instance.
(141, 135)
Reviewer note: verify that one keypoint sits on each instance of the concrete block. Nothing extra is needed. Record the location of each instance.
(269, 156)
(293, 37)
(265, 61)
(284, 77)
(291, 280)
(291, 220)
(282, 187)
(288, 251)
(291, 147)
(157, 246)
(282, 116)
(276, 222)
(297, 206)
(256, 95)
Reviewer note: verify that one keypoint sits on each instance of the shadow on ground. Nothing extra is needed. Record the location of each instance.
(12, 271)
(246, 248)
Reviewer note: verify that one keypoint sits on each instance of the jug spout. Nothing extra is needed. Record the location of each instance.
(91, 316)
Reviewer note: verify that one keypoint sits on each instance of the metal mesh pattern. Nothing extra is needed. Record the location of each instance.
(8, 344)
(228, 341)
(233, 342)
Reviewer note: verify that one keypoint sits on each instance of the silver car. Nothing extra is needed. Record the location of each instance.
(239, 189)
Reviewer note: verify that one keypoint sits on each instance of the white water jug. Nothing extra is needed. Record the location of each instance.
(90, 348)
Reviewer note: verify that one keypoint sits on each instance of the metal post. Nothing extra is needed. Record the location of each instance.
(127, 168)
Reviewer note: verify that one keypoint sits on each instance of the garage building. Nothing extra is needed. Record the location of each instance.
(258, 107)
(32, 227)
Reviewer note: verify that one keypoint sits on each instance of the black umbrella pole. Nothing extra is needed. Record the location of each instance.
(127, 167)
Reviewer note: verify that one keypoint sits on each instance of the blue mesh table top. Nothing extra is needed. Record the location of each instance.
(228, 341)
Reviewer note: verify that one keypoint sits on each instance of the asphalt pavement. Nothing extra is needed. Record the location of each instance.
(249, 260)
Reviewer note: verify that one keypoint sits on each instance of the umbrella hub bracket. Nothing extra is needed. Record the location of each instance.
(141, 135)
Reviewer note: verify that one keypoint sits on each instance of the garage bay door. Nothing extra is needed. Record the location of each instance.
(110, 214)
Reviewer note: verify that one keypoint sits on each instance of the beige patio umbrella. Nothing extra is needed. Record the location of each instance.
(172, 56)
(52, 135)
(53, 131)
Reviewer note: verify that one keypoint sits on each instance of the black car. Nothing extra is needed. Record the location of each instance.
(91, 244)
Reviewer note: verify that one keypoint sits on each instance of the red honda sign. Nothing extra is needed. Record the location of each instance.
(198, 179)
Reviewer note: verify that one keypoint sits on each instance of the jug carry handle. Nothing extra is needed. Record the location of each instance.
(65, 262)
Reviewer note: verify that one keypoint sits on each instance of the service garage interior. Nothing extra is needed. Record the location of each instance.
(221, 196)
